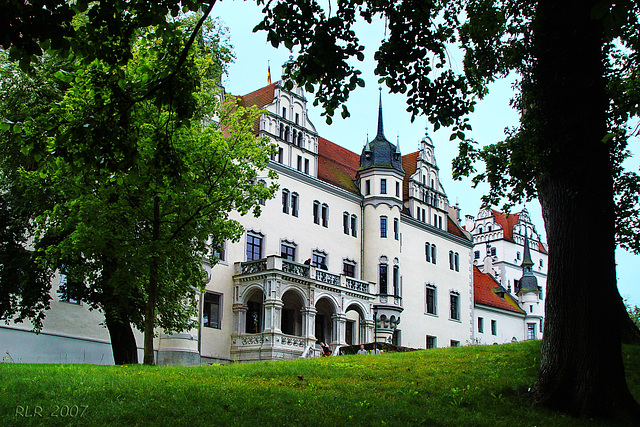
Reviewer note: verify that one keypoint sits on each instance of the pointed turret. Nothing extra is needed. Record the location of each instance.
(380, 152)
(528, 282)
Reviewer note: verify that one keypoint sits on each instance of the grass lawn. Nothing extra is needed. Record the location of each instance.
(455, 386)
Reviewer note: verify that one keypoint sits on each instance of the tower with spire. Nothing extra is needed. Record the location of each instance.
(380, 179)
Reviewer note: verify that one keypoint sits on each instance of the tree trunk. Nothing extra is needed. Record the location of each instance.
(581, 369)
(152, 291)
(123, 342)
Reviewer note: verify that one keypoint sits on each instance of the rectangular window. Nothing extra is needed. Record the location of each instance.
(297, 118)
(325, 215)
(284, 112)
(383, 279)
(367, 187)
(397, 189)
(300, 163)
(348, 269)
(396, 281)
(280, 155)
(427, 252)
(285, 201)
(64, 292)
(440, 222)
(383, 186)
(476, 255)
(431, 341)
(431, 300)
(424, 217)
(294, 204)
(454, 307)
(450, 260)
(354, 226)
(220, 252)
(493, 251)
(319, 260)
(433, 253)
(254, 247)
(494, 327)
(531, 331)
(383, 226)
(455, 343)
(396, 231)
(345, 222)
(456, 261)
(316, 212)
(480, 325)
(306, 166)
(288, 252)
(211, 311)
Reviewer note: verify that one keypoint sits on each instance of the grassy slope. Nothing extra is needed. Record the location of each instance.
(457, 386)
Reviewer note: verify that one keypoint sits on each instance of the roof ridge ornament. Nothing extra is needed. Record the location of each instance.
(380, 124)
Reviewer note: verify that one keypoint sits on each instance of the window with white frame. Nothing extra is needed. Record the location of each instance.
(220, 252)
(396, 229)
(480, 325)
(349, 268)
(494, 327)
(454, 306)
(431, 341)
(325, 215)
(383, 226)
(294, 204)
(431, 299)
(354, 226)
(316, 212)
(434, 253)
(531, 331)
(383, 186)
(427, 251)
(383, 278)
(288, 250)
(319, 260)
(254, 246)
(346, 222)
(211, 311)
(285, 200)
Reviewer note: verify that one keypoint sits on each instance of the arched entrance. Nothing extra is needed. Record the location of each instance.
(255, 312)
(291, 313)
(355, 327)
(325, 310)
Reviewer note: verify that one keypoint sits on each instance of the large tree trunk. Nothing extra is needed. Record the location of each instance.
(581, 369)
(123, 342)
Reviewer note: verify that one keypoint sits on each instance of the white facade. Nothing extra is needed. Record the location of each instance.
(504, 247)
(353, 249)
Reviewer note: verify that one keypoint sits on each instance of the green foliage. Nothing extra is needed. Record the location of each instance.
(457, 386)
(634, 313)
(133, 179)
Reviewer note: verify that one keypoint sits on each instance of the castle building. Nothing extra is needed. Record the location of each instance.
(510, 276)
(354, 248)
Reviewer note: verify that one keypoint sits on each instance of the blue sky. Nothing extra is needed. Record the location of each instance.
(492, 116)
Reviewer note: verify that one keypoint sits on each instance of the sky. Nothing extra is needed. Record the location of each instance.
(492, 115)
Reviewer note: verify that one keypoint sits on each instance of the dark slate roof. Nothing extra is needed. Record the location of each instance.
(379, 152)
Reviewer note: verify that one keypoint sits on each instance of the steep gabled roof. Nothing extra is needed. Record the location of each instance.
(506, 222)
(337, 165)
(486, 289)
(455, 229)
(260, 98)
(410, 165)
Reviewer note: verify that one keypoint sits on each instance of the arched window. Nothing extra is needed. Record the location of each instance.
(427, 252)
(433, 253)
(456, 260)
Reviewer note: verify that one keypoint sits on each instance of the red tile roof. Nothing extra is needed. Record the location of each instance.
(453, 228)
(260, 98)
(485, 292)
(337, 165)
(506, 222)
(410, 165)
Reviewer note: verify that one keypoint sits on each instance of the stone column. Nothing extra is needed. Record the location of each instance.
(338, 328)
(239, 318)
(309, 323)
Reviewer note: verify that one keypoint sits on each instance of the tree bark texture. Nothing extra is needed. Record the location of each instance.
(152, 291)
(581, 369)
(123, 342)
